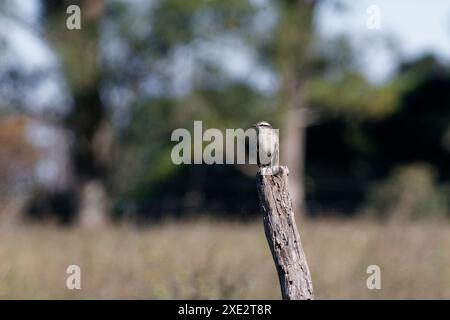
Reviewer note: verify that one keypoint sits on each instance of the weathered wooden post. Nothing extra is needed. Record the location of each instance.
(279, 221)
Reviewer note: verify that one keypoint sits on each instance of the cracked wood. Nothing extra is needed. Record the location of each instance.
(283, 236)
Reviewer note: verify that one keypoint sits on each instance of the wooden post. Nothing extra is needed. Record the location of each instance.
(282, 235)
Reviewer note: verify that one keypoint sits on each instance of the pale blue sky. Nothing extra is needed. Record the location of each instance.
(418, 26)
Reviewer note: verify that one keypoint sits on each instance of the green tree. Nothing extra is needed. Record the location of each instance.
(304, 62)
(293, 57)
(88, 119)
(192, 30)
(127, 86)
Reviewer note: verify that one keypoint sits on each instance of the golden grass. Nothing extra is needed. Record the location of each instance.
(223, 260)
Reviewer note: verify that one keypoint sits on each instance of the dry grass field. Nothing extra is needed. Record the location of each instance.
(210, 259)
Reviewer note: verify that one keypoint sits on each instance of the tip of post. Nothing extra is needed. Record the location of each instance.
(274, 171)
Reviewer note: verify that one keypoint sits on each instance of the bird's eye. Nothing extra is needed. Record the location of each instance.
(269, 154)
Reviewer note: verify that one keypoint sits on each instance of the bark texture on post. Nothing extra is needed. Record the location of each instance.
(283, 236)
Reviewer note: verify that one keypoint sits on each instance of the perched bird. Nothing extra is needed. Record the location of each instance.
(267, 148)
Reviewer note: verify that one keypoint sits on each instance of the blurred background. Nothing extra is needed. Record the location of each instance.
(360, 93)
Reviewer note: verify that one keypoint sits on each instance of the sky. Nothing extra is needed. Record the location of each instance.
(415, 26)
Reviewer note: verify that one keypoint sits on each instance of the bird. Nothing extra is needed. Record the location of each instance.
(267, 148)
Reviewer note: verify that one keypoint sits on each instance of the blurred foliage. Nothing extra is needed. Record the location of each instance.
(144, 68)
(410, 192)
(17, 154)
(350, 95)
(214, 97)
(350, 149)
